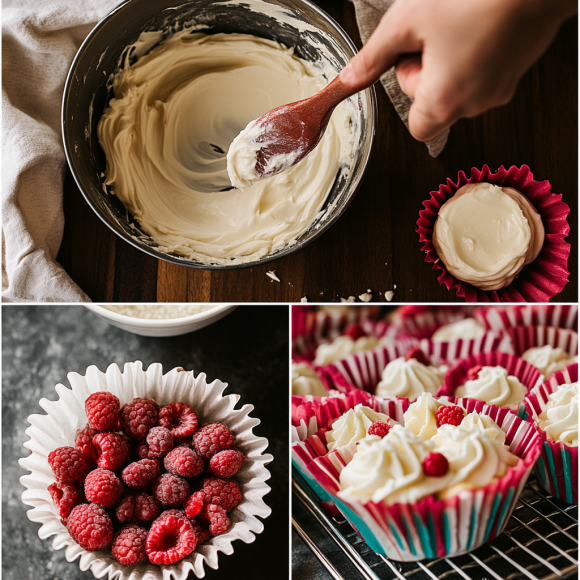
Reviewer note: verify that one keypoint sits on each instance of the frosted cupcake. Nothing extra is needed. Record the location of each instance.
(305, 381)
(466, 329)
(548, 359)
(342, 347)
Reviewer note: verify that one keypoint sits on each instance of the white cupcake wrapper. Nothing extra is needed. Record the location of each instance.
(58, 428)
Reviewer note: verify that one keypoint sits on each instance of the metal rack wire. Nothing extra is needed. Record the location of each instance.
(540, 542)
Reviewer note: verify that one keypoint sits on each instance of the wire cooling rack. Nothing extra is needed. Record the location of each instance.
(540, 542)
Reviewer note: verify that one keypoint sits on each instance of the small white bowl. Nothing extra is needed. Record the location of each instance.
(162, 326)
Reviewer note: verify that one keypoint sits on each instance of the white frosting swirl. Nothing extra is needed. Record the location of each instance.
(390, 470)
(465, 329)
(342, 347)
(548, 359)
(560, 417)
(353, 426)
(421, 416)
(476, 453)
(495, 387)
(305, 381)
(408, 378)
(486, 234)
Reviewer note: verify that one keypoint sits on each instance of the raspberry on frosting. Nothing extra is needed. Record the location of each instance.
(160, 442)
(418, 355)
(379, 428)
(354, 331)
(449, 415)
(68, 464)
(473, 372)
(171, 538)
(112, 450)
(103, 487)
(211, 439)
(138, 417)
(65, 496)
(170, 489)
(184, 461)
(179, 418)
(129, 545)
(223, 492)
(90, 527)
(102, 411)
(226, 463)
(435, 465)
(141, 473)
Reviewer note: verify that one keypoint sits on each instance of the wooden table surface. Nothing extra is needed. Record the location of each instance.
(374, 244)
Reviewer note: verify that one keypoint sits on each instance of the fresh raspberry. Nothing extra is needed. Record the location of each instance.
(143, 451)
(102, 411)
(84, 444)
(171, 538)
(194, 503)
(355, 331)
(103, 487)
(418, 355)
(68, 464)
(211, 439)
(129, 545)
(226, 463)
(435, 465)
(90, 527)
(449, 415)
(179, 418)
(183, 461)
(223, 492)
(112, 450)
(217, 518)
(202, 533)
(473, 373)
(146, 507)
(170, 490)
(125, 511)
(160, 441)
(65, 496)
(141, 473)
(379, 428)
(138, 417)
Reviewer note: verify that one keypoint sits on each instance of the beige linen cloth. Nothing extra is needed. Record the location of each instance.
(39, 41)
(368, 16)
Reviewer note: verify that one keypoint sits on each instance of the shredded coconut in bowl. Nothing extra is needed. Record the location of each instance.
(159, 311)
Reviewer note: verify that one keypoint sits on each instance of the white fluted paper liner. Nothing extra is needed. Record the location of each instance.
(58, 428)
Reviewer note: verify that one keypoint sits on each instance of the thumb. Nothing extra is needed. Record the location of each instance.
(390, 39)
(427, 120)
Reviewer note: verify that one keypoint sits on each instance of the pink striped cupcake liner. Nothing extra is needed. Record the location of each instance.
(503, 317)
(423, 321)
(539, 281)
(430, 528)
(526, 337)
(525, 372)
(557, 466)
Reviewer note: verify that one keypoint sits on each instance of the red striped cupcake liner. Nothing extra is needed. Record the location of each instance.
(526, 337)
(503, 317)
(525, 372)
(557, 466)
(422, 321)
(539, 281)
(430, 528)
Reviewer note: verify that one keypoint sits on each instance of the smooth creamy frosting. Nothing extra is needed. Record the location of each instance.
(548, 359)
(466, 329)
(408, 378)
(175, 113)
(476, 452)
(486, 234)
(353, 426)
(342, 347)
(390, 470)
(421, 416)
(560, 417)
(305, 381)
(494, 386)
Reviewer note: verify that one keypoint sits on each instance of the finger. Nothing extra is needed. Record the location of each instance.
(408, 70)
(427, 119)
(390, 39)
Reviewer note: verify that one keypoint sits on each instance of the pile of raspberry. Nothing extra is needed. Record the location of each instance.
(144, 481)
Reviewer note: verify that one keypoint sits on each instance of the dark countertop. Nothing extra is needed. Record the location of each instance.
(374, 244)
(247, 349)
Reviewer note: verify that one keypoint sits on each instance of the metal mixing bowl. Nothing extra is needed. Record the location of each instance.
(87, 94)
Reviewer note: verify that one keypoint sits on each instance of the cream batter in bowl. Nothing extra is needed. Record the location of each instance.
(155, 186)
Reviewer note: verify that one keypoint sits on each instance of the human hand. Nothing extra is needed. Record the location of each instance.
(456, 58)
